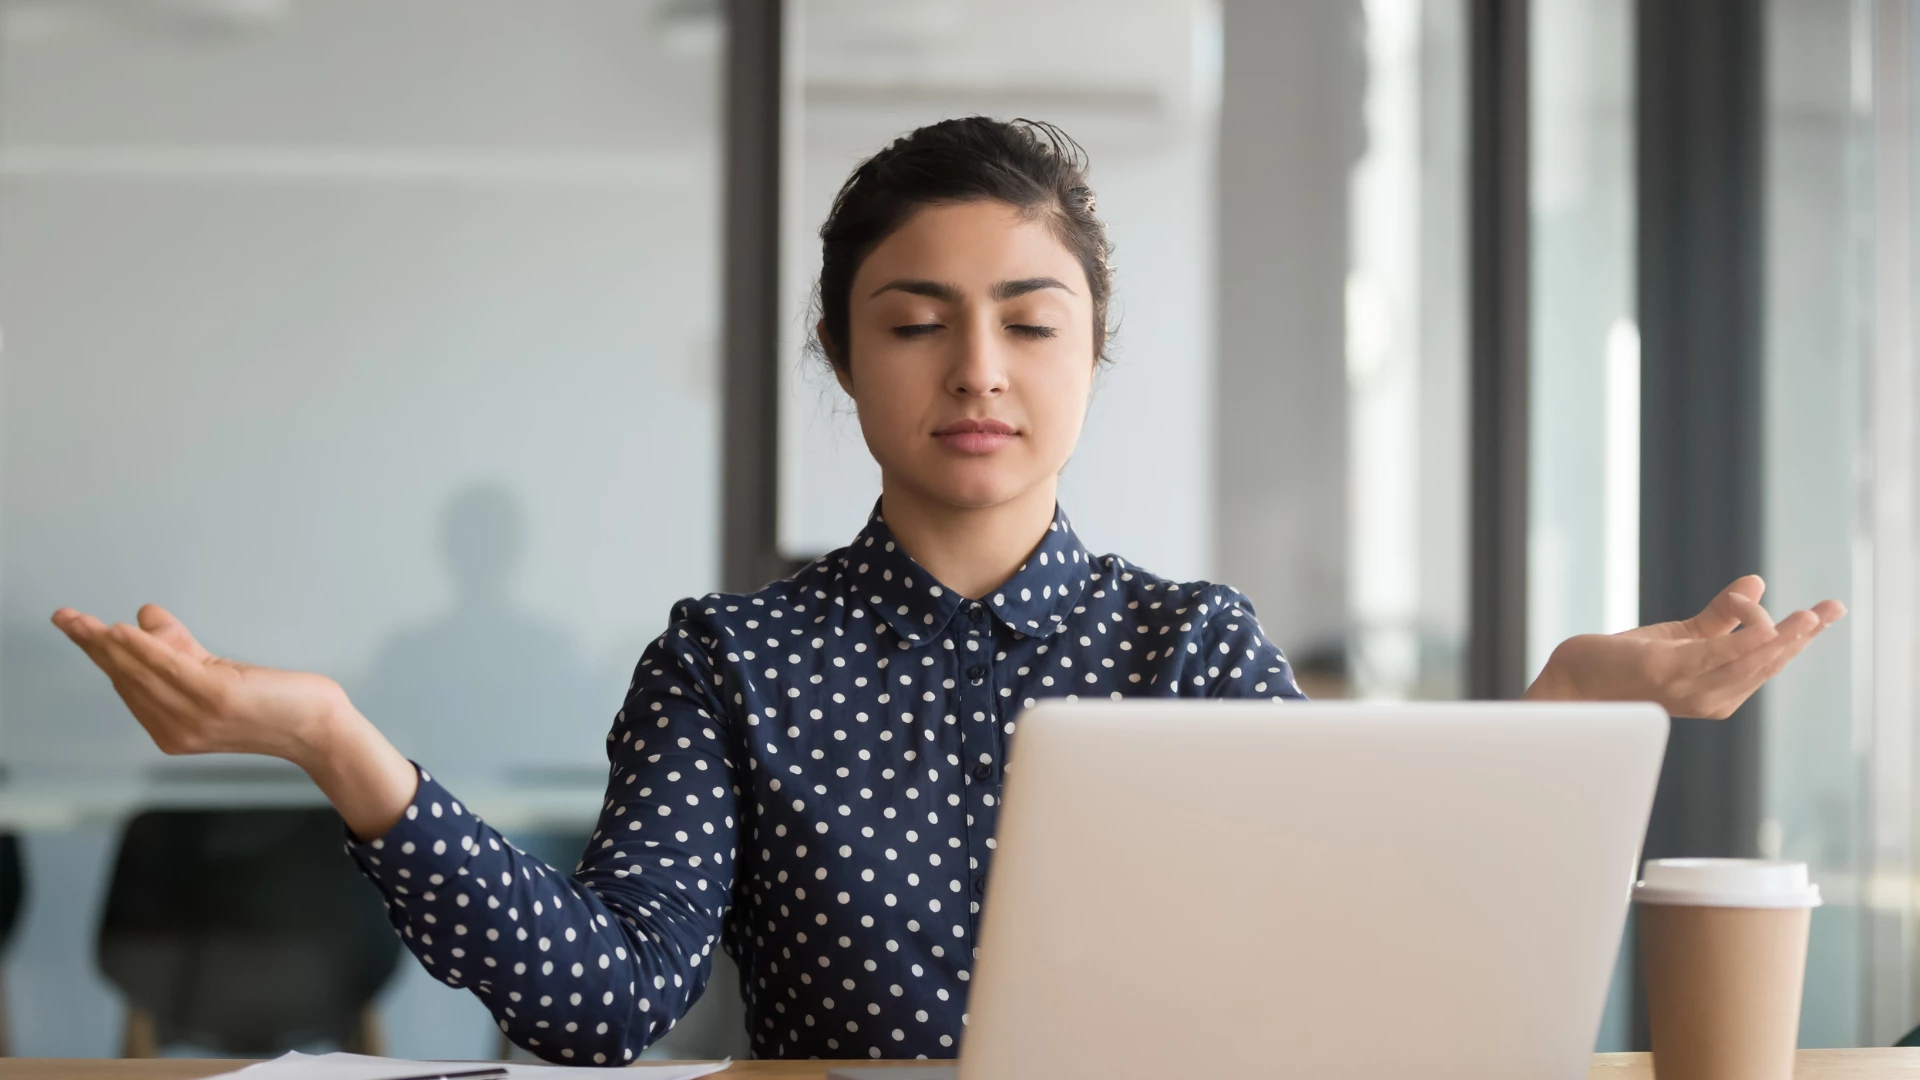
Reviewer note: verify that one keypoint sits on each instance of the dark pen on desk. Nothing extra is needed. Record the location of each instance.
(494, 1073)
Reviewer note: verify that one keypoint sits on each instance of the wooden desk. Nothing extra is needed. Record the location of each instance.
(1813, 1065)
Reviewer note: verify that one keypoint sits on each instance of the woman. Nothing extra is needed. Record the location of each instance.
(808, 776)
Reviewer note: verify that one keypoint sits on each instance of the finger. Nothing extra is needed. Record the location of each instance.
(1752, 615)
(187, 676)
(1797, 631)
(129, 653)
(76, 625)
(1830, 611)
(1737, 604)
(170, 631)
(1736, 693)
(1719, 692)
(1803, 623)
(1745, 674)
(1703, 656)
(161, 709)
(88, 633)
(154, 718)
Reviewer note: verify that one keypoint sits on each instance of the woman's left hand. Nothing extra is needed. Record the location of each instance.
(1705, 666)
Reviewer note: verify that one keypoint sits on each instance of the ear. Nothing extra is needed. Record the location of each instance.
(841, 372)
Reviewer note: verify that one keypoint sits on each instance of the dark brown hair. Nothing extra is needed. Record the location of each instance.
(1027, 164)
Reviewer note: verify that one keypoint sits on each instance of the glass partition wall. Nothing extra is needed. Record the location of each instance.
(1838, 463)
(1840, 476)
(372, 338)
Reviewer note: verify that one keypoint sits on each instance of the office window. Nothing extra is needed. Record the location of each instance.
(1341, 489)
(1404, 308)
(373, 338)
(1840, 465)
(1583, 497)
(1584, 478)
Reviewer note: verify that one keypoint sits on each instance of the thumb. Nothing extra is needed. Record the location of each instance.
(1736, 604)
(170, 631)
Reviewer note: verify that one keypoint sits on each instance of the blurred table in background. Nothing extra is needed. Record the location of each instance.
(555, 799)
(1813, 1065)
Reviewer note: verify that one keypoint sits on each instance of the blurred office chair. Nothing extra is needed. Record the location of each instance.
(247, 932)
(12, 892)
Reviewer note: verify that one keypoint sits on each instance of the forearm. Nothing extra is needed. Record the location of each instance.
(579, 971)
(368, 781)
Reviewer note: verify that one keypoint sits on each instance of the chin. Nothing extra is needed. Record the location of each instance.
(974, 488)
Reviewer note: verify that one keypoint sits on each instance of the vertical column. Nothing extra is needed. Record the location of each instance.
(1885, 633)
(1700, 98)
(1700, 251)
(1500, 280)
(750, 310)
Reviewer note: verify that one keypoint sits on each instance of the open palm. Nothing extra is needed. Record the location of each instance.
(1705, 666)
(193, 702)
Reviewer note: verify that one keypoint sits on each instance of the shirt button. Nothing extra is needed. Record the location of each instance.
(975, 613)
(977, 672)
(983, 772)
(980, 884)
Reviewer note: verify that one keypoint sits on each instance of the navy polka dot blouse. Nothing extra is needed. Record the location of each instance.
(807, 777)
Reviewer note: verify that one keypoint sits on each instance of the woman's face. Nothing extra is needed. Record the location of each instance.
(971, 353)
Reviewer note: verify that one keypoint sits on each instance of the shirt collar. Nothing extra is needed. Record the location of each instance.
(1037, 600)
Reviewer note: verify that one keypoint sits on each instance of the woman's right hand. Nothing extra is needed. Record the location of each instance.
(193, 702)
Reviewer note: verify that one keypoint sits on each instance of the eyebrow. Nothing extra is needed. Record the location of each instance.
(1007, 290)
(940, 290)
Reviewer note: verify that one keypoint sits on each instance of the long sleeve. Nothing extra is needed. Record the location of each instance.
(586, 968)
(1232, 657)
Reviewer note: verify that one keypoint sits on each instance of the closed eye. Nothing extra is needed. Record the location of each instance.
(914, 330)
(1028, 330)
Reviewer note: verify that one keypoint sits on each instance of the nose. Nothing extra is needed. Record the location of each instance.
(979, 364)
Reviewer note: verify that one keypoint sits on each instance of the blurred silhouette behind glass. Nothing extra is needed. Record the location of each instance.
(245, 933)
(488, 685)
(488, 681)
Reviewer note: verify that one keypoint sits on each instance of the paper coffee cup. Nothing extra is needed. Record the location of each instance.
(1723, 945)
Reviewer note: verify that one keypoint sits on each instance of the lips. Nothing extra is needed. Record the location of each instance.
(976, 435)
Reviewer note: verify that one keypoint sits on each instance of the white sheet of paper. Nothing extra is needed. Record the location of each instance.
(297, 1066)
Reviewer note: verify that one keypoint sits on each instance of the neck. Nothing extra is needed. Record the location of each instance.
(971, 550)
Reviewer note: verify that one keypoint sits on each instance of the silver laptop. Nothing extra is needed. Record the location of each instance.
(1249, 889)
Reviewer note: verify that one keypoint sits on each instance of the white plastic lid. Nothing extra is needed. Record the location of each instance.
(1746, 883)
